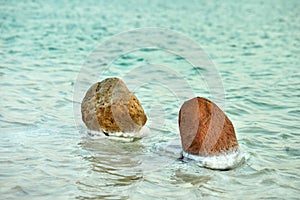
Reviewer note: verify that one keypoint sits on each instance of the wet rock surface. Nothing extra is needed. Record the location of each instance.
(110, 107)
(205, 130)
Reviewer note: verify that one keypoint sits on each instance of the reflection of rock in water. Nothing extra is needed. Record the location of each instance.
(111, 167)
(181, 177)
(292, 151)
(115, 169)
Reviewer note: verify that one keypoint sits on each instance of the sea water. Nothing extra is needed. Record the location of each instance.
(46, 154)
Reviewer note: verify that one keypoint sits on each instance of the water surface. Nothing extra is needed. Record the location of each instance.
(44, 154)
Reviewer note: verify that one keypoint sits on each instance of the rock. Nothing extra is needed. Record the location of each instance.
(110, 107)
(205, 130)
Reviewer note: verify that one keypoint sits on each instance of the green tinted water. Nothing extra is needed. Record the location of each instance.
(43, 154)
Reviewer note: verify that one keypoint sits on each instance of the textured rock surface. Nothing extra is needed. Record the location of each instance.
(204, 128)
(110, 107)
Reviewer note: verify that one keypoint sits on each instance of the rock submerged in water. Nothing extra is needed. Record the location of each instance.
(205, 130)
(110, 107)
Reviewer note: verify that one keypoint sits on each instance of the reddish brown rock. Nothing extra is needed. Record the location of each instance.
(204, 128)
(110, 107)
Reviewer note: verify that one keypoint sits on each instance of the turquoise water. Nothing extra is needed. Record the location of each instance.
(45, 153)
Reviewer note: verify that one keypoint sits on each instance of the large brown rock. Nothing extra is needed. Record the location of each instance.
(204, 128)
(110, 107)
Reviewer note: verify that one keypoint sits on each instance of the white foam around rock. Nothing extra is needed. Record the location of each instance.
(224, 161)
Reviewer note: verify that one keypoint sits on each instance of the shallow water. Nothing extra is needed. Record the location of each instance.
(45, 153)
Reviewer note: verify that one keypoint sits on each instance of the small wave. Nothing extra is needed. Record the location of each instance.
(224, 161)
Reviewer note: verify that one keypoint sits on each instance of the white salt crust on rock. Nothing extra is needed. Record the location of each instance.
(223, 161)
(121, 136)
